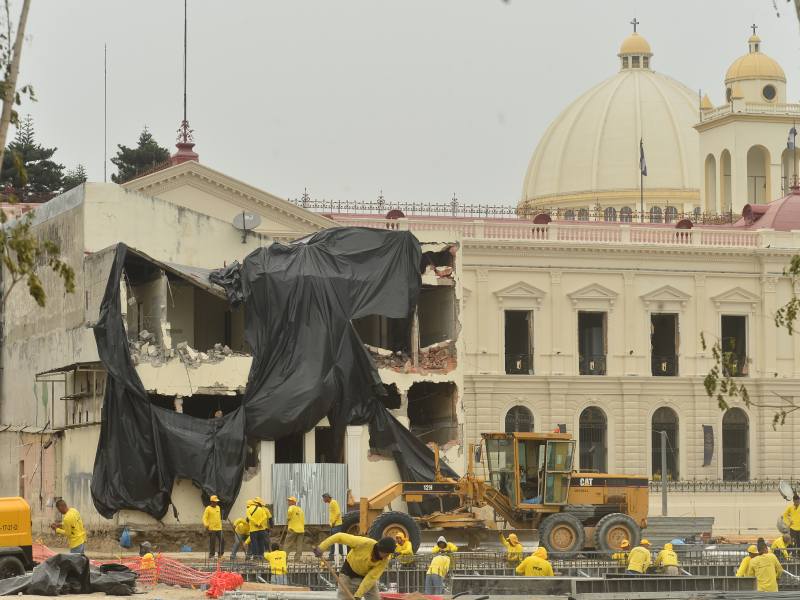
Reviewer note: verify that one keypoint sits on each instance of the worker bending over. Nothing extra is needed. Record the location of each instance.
(621, 557)
(667, 560)
(212, 521)
(295, 528)
(334, 517)
(791, 517)
(405, 551)
(765, 568)
(536, 565)
(442, 545)
(71, 527)
(363, 566)
(437, 571)
(639, 559)
(241, 535)
(277, 564)
(744, 566)
(258, 517)
(514, 549)
(780, 545)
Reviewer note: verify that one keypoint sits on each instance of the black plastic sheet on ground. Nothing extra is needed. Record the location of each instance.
(308, 363)
(71, 574)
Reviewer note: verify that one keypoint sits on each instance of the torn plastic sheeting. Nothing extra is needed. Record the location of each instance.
(308, 363)
(59, 574)
(142, 448)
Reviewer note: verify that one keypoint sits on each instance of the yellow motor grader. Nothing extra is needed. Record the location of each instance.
(531, 486)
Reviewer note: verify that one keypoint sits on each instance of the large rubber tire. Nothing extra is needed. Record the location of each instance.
(583, 512)
(11, 566)
(614, 528)
(562, 535)
(391, 523)
(350, 522)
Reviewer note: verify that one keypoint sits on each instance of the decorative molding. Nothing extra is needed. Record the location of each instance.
(555, 277)
(734, 296)
(700, 280)
(521, 292)
(483, 275)
(666, 296)
(593, 295)
(769, 283)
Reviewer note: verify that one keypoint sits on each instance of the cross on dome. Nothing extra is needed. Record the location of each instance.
(635, 22)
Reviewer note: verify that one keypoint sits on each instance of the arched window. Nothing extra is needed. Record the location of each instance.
(735, 445)
(592, 436)
(726, 194)
(711, 184)
(583, 214)
(665, 419)
(610, 214)
(670, 214)
(655, 214)
(758, 188)
(519, 418)
(569, 215)
(625, 214)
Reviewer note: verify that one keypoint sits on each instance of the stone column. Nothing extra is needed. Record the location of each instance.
(558, 349)
(310, 446)
(353, 455)
(699, 356)
(630, 308)
(266, 454)
(768, 333)
(485, 331)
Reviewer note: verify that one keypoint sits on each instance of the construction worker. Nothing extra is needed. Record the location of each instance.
(71, 526)
(536, 565)
(791, 517)
(667, 560)
(295, 528)
(241, 532)
(621, 557)
(258, 517)
(212, 521)
(334, 517)
(744, 566)
(364, 565)
(780, 545)
(765, 568)
(437, 571)
(404, 551)
(442, 545)
(514, 549)
(277, 564)
(639, 559)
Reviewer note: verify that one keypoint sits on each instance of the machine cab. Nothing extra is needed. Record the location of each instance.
(531, 469)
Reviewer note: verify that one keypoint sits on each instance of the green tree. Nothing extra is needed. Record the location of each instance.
(74, 177)
(28, 166)
(132, 161)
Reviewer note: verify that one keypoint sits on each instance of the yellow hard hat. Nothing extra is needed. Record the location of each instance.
(399, 535)
(645, 542)
(214, 499)
(668, 546)
(751, 549)
(251, 502)
(625, 544)
(292, 499)
(259, 500)
(541, 552)
(512, 537)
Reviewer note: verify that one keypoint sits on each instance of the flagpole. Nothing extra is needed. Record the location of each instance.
(641, 182)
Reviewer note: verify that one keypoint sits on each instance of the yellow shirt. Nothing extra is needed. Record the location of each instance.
(258, 518)
(451, 547)
(72, 528)
(744, 568)
(440, 565)
(639, 559)
(621, 558)
(766, 569)
(667, 558)
(212, 518)
(360, 559)
(533, 566)
(241, 527)
(405, 552)
(513, 551)
(780, 545)
(334, 513)
(296, 519)
(791, 516)
(277, 562)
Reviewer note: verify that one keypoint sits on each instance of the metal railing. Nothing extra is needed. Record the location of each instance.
(664, 366)
(592, 364)
(720, 485)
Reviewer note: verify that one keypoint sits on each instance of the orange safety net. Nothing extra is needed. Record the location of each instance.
(154, 569)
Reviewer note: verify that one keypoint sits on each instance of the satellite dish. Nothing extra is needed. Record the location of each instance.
(245, 222)
(785, 489)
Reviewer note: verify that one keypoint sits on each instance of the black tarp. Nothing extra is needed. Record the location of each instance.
(308, 363)
(71, 574)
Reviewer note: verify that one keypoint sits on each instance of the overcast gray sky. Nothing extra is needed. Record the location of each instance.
(419, 98)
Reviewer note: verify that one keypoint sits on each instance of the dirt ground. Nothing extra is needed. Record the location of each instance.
(160, 592)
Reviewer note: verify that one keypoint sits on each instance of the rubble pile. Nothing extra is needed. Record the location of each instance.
(148, 349)
(387, 359)
(438, 357)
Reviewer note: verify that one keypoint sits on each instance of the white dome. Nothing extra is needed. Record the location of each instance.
(590, 153)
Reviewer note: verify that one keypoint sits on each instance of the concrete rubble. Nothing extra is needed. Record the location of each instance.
(436, 357)
(148, 349)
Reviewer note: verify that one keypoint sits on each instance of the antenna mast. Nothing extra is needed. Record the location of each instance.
(105, 113)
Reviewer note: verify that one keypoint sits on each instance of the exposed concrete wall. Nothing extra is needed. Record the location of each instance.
(175, 378)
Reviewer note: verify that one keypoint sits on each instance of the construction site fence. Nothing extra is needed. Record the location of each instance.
(719, 485)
